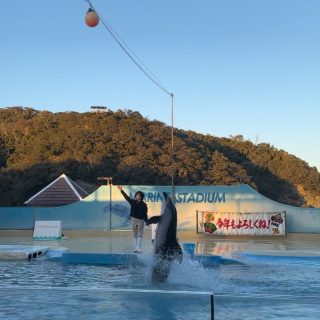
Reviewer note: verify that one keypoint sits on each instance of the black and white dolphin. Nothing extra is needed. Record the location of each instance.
(166, 246)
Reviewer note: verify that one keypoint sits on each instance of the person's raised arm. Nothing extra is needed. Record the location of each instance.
(124, 194)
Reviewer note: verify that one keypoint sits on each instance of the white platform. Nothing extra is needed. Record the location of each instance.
(21, 252)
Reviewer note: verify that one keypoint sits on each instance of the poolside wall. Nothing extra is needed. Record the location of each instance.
(106, 208)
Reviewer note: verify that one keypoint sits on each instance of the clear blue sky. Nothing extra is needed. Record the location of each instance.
(247, 67)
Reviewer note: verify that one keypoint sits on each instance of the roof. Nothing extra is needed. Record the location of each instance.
(61, 191)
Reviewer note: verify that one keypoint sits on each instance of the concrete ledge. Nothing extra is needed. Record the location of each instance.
(214, 261)
(182, 235)
(16, 233)
(280, 255)
(114, 259)
(123, 259)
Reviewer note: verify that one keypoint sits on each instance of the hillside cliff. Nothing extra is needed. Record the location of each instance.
(37, 146)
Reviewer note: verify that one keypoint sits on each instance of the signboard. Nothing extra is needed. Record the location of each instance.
(47, 230)
(249, 223)
(188, 199)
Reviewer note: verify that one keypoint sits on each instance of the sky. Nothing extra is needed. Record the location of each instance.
(248, 67)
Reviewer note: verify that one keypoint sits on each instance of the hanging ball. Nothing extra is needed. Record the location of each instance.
(92, 18)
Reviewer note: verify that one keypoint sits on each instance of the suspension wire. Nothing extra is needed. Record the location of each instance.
(130, 53)
(136, 57)
(148, 73)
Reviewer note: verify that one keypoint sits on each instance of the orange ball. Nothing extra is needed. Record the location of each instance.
(92, 18)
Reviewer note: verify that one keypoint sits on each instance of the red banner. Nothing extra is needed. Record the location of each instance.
(255, 223)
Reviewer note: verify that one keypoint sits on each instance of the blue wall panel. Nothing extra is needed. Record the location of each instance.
(94, 211)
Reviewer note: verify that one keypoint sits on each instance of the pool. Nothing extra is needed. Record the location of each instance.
(267, 286)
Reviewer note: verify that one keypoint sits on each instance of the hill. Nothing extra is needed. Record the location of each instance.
(37, 146)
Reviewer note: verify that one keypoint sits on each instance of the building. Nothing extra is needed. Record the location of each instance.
(98, 109)
(60, 192)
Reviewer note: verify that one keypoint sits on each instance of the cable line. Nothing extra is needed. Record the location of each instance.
(147, 72)
(142, 67)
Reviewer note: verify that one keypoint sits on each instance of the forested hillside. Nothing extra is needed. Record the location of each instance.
(36, 147)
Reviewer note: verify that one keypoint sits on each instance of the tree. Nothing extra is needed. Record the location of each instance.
(37, 146)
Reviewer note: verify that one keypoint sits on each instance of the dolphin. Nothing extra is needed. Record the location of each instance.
(166, 246)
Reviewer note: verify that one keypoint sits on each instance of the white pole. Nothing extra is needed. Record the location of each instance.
(172, 151)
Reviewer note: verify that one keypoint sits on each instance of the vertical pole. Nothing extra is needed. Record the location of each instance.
(238, 202)
(110, 206)
(212, 306)
(172, 151)
(197, 222)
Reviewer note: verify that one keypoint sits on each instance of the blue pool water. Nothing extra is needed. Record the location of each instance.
(263, 288)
